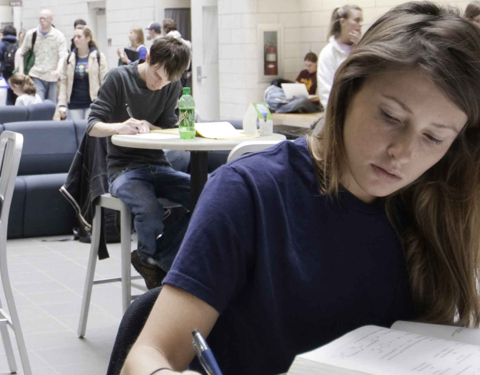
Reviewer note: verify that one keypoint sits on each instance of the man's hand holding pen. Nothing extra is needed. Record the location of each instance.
(133, 126)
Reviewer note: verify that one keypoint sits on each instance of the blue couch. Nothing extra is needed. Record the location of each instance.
(33, 112)
(38, 208)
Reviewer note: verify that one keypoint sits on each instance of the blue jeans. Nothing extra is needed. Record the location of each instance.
(46, 90)
(299, 105)
(139, 189)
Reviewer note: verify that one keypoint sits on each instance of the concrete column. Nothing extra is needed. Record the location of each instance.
(17, 18)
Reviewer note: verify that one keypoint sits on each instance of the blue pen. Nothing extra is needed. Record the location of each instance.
(205, 354)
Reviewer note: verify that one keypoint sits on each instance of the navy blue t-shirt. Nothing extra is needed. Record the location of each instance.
(287, 268)
(80, 97)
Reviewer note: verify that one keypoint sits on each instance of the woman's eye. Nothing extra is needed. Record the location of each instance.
(433, 139)
(389, 118)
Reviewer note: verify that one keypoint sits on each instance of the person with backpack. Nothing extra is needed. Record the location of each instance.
(8, 48)
(49, 47)
(81, 76)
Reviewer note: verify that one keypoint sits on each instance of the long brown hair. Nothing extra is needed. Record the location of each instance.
(24, 82)
(340, 13)
(442, 240)
(140, 37)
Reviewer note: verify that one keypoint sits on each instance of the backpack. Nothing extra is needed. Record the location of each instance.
(29, 56)
(9, 58)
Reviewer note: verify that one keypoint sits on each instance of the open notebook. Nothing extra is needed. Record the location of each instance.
(406, 348)
(212, 130)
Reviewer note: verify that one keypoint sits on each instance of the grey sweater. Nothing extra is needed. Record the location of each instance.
(123, 86)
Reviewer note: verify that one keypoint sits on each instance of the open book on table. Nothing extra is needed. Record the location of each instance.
(212, 130)
(405, 348)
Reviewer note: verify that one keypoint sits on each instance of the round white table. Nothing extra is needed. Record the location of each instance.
(199, 148)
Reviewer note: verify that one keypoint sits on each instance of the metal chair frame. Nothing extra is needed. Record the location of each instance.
(113, 203)
(11, 145)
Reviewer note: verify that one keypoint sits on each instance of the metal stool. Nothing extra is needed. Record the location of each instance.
(107, 201)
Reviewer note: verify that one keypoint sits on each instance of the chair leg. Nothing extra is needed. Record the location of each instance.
(92, 261)
(14, 320)
(126, 249)
(7, 343)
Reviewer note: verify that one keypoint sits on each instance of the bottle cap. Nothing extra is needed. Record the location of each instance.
(186, 91)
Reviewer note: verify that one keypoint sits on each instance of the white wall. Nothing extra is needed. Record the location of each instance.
(6, 14)
(305, 28)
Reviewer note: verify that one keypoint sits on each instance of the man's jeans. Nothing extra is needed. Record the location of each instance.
(46, 90)
(139, 189)
(299, 105)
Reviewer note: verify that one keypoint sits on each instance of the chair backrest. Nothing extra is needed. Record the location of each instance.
(11, 113)
(249, 147)
(11, 145)
(41, 112)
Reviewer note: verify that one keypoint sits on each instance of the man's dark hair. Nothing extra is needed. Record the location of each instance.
(173, 54)
(9, 30)
(311, 56)
(79, 22)
(169, 25)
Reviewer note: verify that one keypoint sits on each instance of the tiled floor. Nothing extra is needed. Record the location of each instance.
(48, 278)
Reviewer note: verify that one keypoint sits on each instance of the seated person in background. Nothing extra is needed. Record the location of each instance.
(278, 102)
(308, 76)
(25, 89)
(295, 246)
(345, 32)
(133, 99)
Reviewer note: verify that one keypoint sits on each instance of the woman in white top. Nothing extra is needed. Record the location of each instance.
(24, 88)
(345, 32)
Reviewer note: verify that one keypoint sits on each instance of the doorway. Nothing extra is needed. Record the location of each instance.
(206, 82)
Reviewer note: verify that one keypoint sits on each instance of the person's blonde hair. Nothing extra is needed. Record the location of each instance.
(441, 241)
(340, 13)
(24, 82)
(140, 37)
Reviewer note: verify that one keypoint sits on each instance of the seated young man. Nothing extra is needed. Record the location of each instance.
(134, 99)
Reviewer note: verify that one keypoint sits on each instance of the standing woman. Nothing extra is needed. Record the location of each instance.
(82, 74)
(345, 32)
(137, 41)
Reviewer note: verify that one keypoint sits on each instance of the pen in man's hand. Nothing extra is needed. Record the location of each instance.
(128, 110)
(205, 354)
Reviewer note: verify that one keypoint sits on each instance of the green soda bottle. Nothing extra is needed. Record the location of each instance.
(186, 113)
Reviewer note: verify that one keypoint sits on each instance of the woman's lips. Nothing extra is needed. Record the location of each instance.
(384, 174)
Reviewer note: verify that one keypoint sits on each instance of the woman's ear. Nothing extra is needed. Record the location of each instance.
(343, 21)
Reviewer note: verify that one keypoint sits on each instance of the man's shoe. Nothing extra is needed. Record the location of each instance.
(152, 274)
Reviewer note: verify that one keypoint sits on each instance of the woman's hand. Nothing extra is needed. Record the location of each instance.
(355, 37)
(119, 52)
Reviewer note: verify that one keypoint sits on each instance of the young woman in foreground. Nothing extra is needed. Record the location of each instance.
(373, 221)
